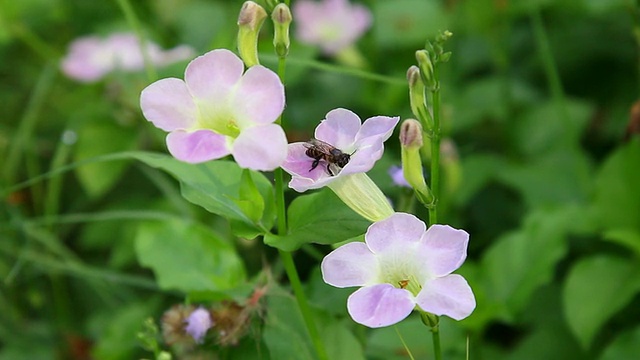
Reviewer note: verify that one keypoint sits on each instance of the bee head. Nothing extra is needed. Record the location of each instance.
(343, 160)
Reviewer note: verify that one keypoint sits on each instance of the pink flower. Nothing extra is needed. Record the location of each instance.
(401, 266)
(198, 322)
(217, 110)
(331, 24)
(343, 130)
(90, 58)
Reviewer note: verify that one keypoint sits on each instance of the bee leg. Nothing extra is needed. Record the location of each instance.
(314, 164)
(329, 170)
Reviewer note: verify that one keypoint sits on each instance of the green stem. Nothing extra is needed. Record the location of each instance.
(551, 70)
(406, 348)
(298, 291)
(435, 332)
(435, 149)
(52, 200)
(285, 256)
(134, 22)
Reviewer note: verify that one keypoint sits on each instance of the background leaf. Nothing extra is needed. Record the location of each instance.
(188, 257)
(617, 199)
(101, 138)
(595, 289)
(519, 262)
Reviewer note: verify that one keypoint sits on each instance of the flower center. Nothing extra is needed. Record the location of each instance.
(402, 271)
(410, 283)
(218, 119)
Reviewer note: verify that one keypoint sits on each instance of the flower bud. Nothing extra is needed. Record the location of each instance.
(411, 142)
(426, 67)
(411, 134)
(282, 18)
(250, 21)
(417, 97)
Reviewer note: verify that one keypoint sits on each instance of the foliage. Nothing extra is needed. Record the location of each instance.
(101, 229)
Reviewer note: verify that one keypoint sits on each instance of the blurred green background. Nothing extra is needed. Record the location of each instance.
(544, 173)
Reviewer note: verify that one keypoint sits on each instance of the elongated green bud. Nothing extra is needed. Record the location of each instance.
(282, 18)
(426, 67)
(417, 98)
(250, 21)
(411, 142)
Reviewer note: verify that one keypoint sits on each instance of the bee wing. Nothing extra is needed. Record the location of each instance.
(319, 145)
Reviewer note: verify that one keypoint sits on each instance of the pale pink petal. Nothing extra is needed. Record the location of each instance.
(352, 264)
(450, 295)
(210, 77)
(361, 20)
(197, 146)
(298, 165)
(380, 305)
(87, 60)
(396, 231)
(376, 129)
(363, 159)
(262, 148)
(297, 162)
(127, 52)
(331, 24)
(339, 128)
(178, 53)
(444, 249)
(168, 104)
(258, 98)
(306, 17)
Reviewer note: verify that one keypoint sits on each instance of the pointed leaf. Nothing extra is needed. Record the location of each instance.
(214, 185)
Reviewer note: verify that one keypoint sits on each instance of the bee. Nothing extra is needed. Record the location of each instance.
(320, 150)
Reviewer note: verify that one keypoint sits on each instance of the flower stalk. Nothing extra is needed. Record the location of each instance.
(429, 60)
(282, 20)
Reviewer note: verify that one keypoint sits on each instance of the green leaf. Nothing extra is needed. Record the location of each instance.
(250, 200)
(214, 185)
(285, 333)
(625, 346)
(548, 335)
(96, 139)
(625, 237)
(541, 130)
(188, 257)
(521, 261)
(478, 170)
(540, 183)
(341, 343)
(617, 198)
(319, 218)
(597, 288)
